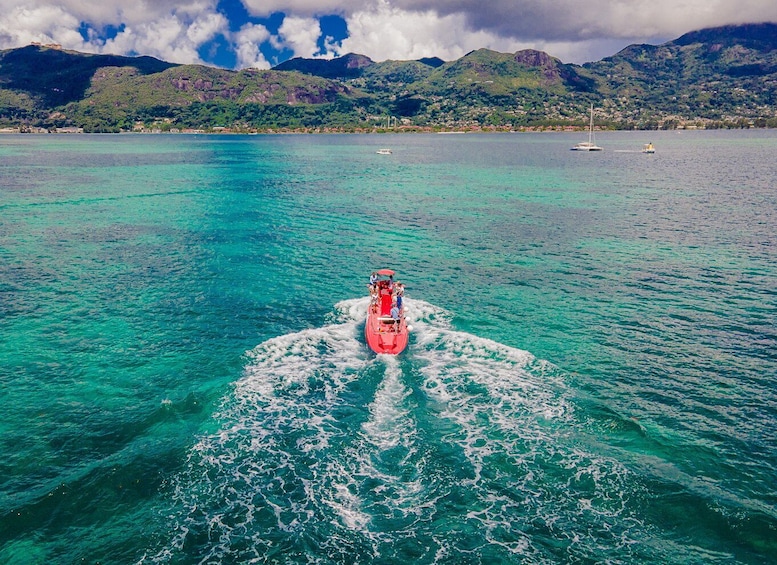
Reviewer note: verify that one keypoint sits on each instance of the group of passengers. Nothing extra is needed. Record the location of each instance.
(388, 296)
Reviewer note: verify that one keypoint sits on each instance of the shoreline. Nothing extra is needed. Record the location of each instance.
(314, 131)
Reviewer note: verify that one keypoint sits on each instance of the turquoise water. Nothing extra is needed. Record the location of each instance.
(590, 379)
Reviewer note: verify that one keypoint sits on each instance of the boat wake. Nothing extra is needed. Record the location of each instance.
(461, 449)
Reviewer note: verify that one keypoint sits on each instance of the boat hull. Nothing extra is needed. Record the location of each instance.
(384, 334)
(585, 146)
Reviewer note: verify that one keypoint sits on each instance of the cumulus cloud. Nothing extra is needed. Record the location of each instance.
(170, 38)
(300, 35)
(112, 12)
(204, 28)
(21, 25)
(247, 42)
(307, 8)
(173, 32)
(386, 32)
(296, 34)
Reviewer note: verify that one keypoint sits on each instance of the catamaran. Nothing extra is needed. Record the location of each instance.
(588, 145)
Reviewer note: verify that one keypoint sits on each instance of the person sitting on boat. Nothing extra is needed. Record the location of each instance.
(391, 283)
(373, 279)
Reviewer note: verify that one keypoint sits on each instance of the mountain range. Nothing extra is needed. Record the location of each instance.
(718, 77)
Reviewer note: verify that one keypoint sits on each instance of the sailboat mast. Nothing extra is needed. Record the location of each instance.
(591, 126)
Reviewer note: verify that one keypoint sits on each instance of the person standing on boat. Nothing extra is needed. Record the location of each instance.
(395, 315)
(373, 281)
(400, 293)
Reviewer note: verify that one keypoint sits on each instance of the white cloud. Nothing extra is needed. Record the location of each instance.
(49, 24)
(307, 8)
(173, 32)
(300, 35)
(392, 33)
(160, 38)
(247, 42)
(173, 38)
(114, 12)
(205, 28)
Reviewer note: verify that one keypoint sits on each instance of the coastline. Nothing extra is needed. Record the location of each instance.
(373, 131)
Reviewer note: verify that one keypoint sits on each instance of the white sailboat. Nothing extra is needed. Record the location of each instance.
(589, 145)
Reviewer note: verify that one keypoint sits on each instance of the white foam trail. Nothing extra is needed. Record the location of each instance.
(388, 416)
(391, 434)
(351, 310)
(264, 466)
(282, 461)
(511, 413)
(342, 496)
(378, 477)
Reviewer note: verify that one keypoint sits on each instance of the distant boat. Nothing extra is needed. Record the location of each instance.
(383, 151)
(588, 145)
(648, 148)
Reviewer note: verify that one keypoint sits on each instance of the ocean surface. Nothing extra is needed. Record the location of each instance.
(591, 375)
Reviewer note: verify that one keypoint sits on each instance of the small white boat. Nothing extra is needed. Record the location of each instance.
(648, 148)
(588, 145)
(383, 152)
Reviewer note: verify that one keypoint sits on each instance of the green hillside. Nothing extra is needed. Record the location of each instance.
(725, 74)
(194, 96)
(722, 77)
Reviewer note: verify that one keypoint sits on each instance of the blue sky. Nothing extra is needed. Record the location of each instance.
(262, 33)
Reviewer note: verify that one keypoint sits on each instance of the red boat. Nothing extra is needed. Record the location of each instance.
(386, 328)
